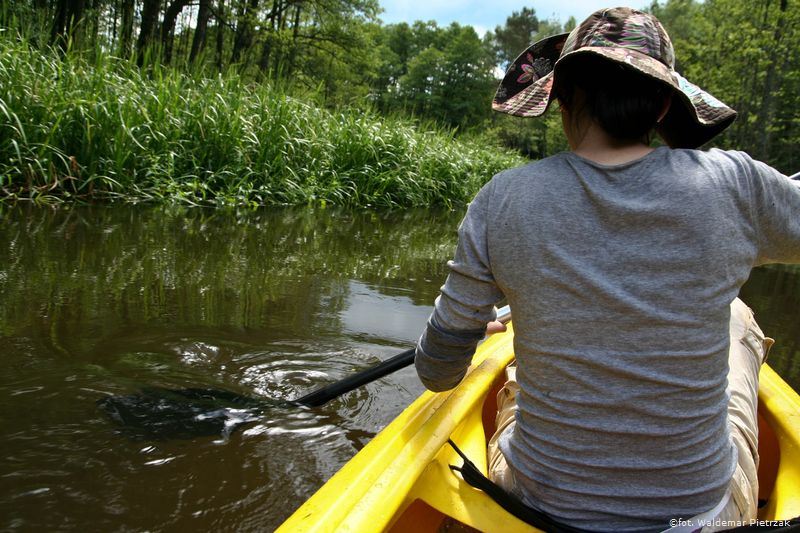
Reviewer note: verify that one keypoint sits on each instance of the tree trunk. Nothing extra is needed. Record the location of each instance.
(295, 35)
(266, 50)
(168, 27)
(126, 29)
(59, 23)
(115, 28)
(92, 30)
(199, 39)
(147, 30)
(75, 21)
(244, 29)
(67, 21)
(220, 33)
(280, 8)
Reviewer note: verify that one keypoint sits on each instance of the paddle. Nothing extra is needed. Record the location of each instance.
(393, 364)
(161, 413)
(334, 390)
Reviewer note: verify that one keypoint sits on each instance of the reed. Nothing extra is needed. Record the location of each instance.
(73, 129)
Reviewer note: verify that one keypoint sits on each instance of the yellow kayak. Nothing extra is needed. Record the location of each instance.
(401, 480)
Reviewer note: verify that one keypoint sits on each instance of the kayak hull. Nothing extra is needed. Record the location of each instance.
(401, 481)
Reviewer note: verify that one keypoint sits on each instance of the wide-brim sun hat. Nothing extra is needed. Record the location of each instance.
(625, 36)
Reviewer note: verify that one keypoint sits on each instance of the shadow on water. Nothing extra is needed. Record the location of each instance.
(157, 413)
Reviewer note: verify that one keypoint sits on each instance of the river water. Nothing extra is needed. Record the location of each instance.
(107, 302)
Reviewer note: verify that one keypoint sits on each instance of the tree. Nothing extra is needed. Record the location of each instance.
(452, 79)
(248, 13)
(745, 55)
(68, 18)
(418, 87)
(199, 38)
(220, 37)
(147, 29)
(468, 80)
(337, 50)
(334, 49)
(520, 31)
(168, 27)
(126, 29)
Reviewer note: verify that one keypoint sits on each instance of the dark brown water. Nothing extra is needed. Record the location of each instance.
(96, 302)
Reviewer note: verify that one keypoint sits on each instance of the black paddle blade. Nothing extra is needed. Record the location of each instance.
(157, 413)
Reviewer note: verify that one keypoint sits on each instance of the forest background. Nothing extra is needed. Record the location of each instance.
(291, 101)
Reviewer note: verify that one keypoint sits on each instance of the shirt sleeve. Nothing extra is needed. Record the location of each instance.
(776, 209)
(465, 305)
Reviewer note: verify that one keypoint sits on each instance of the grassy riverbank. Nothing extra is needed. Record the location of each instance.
(72, 129)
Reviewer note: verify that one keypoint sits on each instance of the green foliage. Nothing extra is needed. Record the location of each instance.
(228, 266)
(338, 54)
(72, 129)
(444, 74)
(329, 50)
(746, 55)
(520, 31)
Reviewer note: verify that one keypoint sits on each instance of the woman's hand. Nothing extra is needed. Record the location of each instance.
(495, 327)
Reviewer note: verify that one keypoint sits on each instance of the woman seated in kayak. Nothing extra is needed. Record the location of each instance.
(636, 367)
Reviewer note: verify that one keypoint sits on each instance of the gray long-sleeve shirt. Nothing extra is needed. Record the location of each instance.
(620, 280)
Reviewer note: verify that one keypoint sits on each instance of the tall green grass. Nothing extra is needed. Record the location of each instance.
(71, 129)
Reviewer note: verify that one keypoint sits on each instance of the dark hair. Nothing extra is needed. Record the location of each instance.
(624, 102)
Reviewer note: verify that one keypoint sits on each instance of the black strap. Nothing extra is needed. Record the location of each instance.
(507, 501)
(538, 519)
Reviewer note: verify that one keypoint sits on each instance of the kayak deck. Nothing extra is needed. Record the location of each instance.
(401, 480)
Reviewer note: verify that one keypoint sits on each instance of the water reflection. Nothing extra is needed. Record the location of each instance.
(380, 312)
(267, 304)
(774, 294)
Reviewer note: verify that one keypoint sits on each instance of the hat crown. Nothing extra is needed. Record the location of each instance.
(625, 28)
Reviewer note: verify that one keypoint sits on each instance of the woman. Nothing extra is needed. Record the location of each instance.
(621, 263)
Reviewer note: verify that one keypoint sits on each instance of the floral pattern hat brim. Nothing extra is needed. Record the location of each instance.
(626, 36)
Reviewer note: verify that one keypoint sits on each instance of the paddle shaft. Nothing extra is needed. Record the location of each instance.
(334, 390)
(393, 364)
(795, 176)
